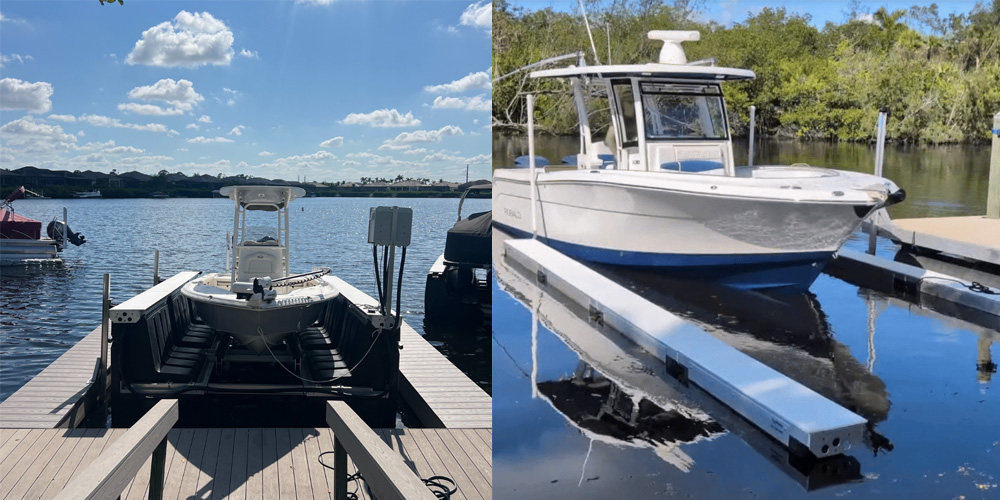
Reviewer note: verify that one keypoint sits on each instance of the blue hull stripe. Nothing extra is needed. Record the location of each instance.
(746, 271)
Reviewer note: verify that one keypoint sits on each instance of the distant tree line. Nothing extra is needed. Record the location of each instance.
(939, 77)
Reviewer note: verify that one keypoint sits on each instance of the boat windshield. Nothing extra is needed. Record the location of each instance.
(683, 111)
(260, 235)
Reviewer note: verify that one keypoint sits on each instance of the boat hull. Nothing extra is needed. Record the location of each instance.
(258, 325)
(23, 251)
(739, 241)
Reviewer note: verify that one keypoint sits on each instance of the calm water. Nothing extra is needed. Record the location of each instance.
(45, 310)
(587, 415)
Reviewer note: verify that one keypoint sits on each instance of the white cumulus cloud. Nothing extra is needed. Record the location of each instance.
(104, 121)
(382, 118)
(191, 40)
(205, 140)
(205, 119)
(474, 103)
(330, 143)
(265, 153)
(32, 96)
(27, 128)
(120, 150)
(148, 109)
(479, 80)
(237, 130)
(422, 136)
(179, 94)
(478, 15)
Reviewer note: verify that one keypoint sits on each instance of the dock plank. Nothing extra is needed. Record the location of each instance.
(88, 439)
(224, 464)
(270, 461)
(173, 470)
(63, 383)
(238, 471)
(286, 478)
(192, 470)
(255, 464)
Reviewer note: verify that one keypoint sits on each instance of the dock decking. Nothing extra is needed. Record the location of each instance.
(973, 237)
(37, 459)
(54, 397)
(239, 463)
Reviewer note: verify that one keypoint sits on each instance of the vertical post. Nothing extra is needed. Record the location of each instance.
(534, 349)
(339, 470)
(531, 163)
(753, 125)
(229, 240)
(993, 185)
(391, 270)
(102, 374)
(875, 218)
(156, 267)
(65, 233)
(156, 471)
(880, 144)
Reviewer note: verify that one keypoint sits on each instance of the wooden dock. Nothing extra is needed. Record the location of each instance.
(437, 391)
(55, 397)
(41, 450)
(239, 463)
(974, 237)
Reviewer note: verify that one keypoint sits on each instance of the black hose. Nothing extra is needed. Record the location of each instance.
(399, 288)
(378, 280)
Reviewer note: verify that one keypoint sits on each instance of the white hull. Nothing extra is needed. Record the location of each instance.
(16, 251)
(697, 221)
(258, 324)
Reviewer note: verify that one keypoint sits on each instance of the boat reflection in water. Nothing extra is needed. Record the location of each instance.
(788, 332)
(620, 394)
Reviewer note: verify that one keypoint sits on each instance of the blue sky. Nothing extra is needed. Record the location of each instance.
(729, 11)
(321, 89)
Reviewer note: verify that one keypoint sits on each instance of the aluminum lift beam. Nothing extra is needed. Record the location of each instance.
(793, 414)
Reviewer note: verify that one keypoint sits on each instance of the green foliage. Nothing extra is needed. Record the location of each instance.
(939, 78)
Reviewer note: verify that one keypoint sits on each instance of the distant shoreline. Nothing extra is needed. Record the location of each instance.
(335, 194)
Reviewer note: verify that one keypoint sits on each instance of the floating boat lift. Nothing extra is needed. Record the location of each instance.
(792, 414)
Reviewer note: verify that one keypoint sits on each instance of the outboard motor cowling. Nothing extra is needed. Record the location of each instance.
(55, 231)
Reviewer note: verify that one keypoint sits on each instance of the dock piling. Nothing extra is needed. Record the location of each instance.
(102, 375)
(883, 117)
(753, 125)
(531, 163)
(156, 471)
(993, 186)
(156, 267)
(339, 470)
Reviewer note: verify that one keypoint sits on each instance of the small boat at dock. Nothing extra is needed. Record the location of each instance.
(87, 194)
(258, 302)
(256, 343)
(459, 285)
(21, 238)
(658, 187)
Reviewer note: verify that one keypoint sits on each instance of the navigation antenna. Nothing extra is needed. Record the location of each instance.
(593, 47)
